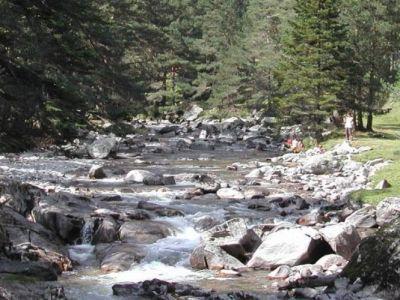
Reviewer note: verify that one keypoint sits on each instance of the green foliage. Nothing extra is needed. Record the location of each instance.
(63, 61)
(312, 72)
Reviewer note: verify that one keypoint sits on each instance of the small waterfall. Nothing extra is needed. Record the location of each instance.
(87, 232)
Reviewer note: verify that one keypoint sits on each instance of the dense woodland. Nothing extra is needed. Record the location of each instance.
(65, 62)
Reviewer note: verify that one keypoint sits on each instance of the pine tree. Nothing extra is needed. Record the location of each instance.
(374, 41)
(312, 73)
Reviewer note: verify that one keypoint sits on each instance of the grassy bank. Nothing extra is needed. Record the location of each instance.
(385, 142)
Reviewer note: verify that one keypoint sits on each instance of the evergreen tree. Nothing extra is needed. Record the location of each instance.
(312, 73)
(374, 41)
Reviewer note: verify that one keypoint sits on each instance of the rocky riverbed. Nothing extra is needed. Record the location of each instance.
(211, 210)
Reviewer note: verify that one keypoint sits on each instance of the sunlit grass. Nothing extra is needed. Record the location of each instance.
(385, 143)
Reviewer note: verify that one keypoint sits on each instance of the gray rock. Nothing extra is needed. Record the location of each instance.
(39, 270)
(377, 261)
(64, 214)
(363, 218)
(321, 164)
(20, 230)
(387, 210)
(343, 238)
(281, 272)
(103, 148)
(105, 231)
(287, 246)
(327, 261)
(160, 210)
(382, 185)
(229, 193)
(97, 172)
(118, 257)
(137, 176)
(210, 256)
(207, 184)
(144, 232)
(232, 123)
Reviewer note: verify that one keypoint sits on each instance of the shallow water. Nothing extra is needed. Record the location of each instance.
(168, 258)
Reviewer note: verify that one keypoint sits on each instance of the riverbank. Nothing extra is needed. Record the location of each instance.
(385, 143)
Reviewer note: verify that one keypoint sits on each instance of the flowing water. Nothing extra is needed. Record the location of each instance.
(168, 258)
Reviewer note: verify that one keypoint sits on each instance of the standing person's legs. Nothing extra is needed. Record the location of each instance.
(347, 130)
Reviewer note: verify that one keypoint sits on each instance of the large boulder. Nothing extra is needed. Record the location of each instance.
(229, 193)
(137, 176)
(64, 214)
(210, 256)
(20, 230)
(225, 246)
(103, 147)
(206, 183)
(321, 164)
(287, 246)
(118, 257)
(388, 210)
(377, 261)
(232, 123)
(234, 237)
(27, 251)
(363, 218)
(159, 210)
(105, 231)
(37, 270)
(144, 232)
(22, 197)
(332, 262)
(343, 238)
(97, 172)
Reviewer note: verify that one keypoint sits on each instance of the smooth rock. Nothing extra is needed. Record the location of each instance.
(210, 256)
(229, 193)
(137, 176)
(105, 231)
(118, 257)
(327, 261)
(103, 148)
(281, 272)
(382, 185)
(97, 172)
(363, 218)
(287, 246)
(387, 210)
(343, 238)
(144, 232)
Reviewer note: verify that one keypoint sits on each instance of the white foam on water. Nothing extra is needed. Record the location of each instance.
(155, 269)
(176, 249)
(81, 253)
(157, 196)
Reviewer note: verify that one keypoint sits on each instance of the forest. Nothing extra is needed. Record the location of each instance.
(63, 63)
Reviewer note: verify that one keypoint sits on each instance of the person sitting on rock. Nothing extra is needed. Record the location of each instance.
(297, 145)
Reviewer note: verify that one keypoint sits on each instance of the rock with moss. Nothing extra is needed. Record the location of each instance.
(377, 261)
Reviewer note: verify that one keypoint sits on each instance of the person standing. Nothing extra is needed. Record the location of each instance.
(348, 126)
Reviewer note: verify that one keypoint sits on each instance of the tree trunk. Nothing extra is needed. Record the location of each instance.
(360, 121)
(369, 122)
